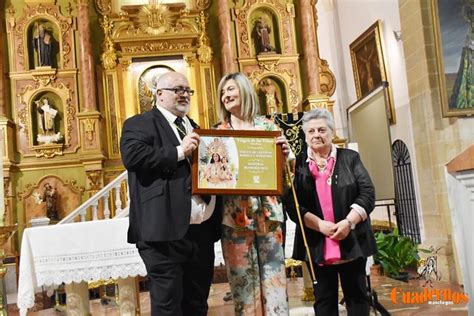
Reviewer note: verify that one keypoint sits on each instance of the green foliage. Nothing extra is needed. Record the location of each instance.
(395, 252)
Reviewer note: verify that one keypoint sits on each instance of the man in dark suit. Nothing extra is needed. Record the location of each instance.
(173, 230)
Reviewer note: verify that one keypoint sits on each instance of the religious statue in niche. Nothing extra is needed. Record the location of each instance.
(44, 44)
(147, 86)
(262, 35)
(150, 91)
(50, 198)
(269, 90)
(47, 115)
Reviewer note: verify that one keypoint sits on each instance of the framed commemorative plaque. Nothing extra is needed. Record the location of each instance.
(229, 162)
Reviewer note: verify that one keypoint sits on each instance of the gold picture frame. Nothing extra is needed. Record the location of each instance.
(368, 64)
(229, 162)
(452, 56)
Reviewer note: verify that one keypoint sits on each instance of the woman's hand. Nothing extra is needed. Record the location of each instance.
(281, 140)
(342, 230)
(327, 228)
(324, 227)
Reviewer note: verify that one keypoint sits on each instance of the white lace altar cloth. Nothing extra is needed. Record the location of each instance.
(76, 252)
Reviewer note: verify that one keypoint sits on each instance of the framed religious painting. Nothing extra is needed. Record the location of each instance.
(454, 34)
(232, 162)
(368, 64)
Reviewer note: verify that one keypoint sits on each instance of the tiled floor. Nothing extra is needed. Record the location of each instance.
(384, 287)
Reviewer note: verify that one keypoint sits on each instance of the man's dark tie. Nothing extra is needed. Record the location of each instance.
(179, 122)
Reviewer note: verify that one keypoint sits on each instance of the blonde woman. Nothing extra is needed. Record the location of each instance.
(252, 235)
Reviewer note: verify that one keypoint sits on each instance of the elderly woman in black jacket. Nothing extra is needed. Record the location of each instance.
(336, 195)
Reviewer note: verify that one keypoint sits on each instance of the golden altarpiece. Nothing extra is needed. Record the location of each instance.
(74, 70)
(78, 69)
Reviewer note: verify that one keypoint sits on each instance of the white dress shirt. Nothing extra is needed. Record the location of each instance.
(200, 211)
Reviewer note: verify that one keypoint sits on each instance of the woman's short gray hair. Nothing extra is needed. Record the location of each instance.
(318, 113)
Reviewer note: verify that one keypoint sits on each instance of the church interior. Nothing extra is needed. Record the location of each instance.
(396, 74)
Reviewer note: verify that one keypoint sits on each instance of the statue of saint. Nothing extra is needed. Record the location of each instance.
(50, 198)
(43, 44)
(271, 95)
(46, 122)
(47, 114)
(262, 31)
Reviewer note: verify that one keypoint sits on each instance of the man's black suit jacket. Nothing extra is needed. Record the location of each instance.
(159, 184)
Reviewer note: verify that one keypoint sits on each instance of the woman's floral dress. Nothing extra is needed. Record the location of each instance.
(252, 241)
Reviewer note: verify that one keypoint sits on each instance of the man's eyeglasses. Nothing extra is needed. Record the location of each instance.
(180, 90)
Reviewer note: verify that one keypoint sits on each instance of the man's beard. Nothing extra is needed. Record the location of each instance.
(182, 106)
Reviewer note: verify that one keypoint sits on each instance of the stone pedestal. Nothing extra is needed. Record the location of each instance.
(77, 299)
(128, 298)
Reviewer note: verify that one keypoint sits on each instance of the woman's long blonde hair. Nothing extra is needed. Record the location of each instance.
(249, 101)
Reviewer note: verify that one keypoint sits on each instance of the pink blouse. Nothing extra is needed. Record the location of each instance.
(332, 251)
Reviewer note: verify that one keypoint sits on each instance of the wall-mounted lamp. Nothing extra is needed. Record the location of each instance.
(398, 35)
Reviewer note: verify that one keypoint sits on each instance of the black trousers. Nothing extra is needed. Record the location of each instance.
(354, 287)
(180, 272)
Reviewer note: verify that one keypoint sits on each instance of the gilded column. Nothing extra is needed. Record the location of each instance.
(314, 98)
(85, 57)
(310, 45)
(7, 246)
(3, 75)
(89, 117)
(225, 37)
(6, 124)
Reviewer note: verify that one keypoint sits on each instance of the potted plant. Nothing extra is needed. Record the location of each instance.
(395, 253)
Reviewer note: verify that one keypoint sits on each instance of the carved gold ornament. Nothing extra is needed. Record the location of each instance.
(326, 78)
(49, 151)
(94, 177)
(44, 78)
(154, 19)
(125, 62)
(204, 51)
(157, 47)
(100, 282)
(308, 294)
(89, 129)
(104, 6)
(268, 65)
(203, 4)
(108, 57)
